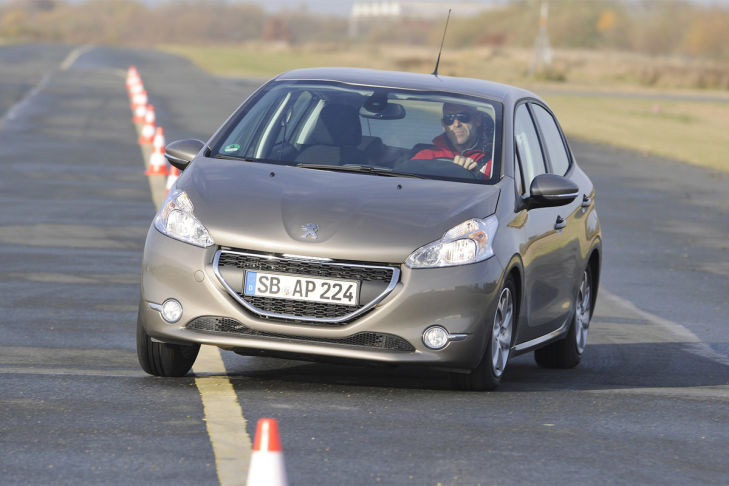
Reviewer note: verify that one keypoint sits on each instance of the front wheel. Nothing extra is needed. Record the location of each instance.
(567, 352)
(487, 375)
(163, 359)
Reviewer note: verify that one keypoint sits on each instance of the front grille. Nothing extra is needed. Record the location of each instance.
(298, 308)
(376, 281)
(375, 340)
(264, 263)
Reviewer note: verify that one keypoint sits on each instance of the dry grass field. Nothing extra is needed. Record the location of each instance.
(633, 101)
(690, 131)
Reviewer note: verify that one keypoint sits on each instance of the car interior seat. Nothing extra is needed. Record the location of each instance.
(335, 137)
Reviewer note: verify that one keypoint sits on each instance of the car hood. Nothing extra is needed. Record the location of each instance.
(361, 217)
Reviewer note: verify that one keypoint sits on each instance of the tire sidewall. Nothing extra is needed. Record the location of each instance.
(484, 377)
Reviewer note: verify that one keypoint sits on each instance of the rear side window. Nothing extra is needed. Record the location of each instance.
(527, 145)
(553, 140)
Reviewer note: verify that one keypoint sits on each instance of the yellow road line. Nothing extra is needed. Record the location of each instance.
(74, 55)
(224, 418)
(226, 425)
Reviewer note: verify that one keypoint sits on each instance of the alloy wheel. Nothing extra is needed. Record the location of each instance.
(583, 312)
(501, 333)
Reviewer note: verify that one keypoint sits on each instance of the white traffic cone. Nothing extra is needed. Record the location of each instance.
(137, 93)
(138, 99)
(267, 464)
(132, 76)
(172, 178)
(140, 112)
(147, 136)
(157, 161)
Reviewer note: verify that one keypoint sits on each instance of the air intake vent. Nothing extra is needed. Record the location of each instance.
(373, 340)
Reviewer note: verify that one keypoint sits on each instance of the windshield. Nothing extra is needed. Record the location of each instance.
(377, 131)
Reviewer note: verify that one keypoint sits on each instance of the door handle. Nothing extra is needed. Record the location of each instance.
(560, 223)
(586, 201)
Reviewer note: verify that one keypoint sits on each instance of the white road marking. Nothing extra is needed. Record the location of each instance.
(14, 110)
(692, 343)
(226, 425)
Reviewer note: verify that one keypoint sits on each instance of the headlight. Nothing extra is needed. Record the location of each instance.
(469, 242)
(176, 220)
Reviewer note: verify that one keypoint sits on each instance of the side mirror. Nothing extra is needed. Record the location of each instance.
(549, 190)
(181, 152)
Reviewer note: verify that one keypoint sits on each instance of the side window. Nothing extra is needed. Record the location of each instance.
(527, 145)
(553, 140)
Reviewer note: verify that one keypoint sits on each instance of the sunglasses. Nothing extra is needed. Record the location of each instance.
(462, 117)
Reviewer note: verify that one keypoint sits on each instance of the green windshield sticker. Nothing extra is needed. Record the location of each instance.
(233, 147)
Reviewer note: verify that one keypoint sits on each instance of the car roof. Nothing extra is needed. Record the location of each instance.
(425, 82)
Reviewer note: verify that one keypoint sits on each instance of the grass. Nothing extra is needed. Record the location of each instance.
(260, 61)
(693, 132)
(689, 131)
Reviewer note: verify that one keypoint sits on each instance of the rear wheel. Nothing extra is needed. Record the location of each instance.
(567, 352)
(163, 359)
(487, 375)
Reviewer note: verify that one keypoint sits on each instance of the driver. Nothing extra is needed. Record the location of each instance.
(460, 140)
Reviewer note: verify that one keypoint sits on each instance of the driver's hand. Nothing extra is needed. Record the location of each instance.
(466, 162)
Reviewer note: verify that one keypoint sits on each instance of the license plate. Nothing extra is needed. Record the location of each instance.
(299, 287)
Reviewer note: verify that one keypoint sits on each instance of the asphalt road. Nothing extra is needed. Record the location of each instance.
(647, 405)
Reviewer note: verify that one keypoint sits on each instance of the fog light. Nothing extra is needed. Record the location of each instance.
(171, 310)
(435, 337)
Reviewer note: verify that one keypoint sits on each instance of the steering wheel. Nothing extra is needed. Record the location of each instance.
(442, 166)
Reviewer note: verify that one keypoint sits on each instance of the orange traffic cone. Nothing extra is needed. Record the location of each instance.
(140, 113)
(138, 97)
(132, 76)
(172, 178)
(157, 161)
(267, 464)
(134, 86)
(147, 136)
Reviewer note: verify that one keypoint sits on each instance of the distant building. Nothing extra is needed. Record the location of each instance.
(364, 11)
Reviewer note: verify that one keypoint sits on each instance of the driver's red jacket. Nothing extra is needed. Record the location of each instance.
(442, 149)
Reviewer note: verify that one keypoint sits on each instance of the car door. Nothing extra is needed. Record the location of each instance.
(575, 214)
(548, 251)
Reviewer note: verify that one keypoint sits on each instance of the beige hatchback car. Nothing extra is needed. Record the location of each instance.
(375, 216)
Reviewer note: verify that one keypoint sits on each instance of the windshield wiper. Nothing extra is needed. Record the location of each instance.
(362, 169)
(232, 157)
(251, 159)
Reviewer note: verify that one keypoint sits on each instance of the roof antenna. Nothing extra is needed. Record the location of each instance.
(437, 62)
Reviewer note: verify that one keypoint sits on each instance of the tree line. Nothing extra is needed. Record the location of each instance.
(643, 26)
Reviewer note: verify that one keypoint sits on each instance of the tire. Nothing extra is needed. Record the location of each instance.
(567, 352)
(487, 375)
(162, 359)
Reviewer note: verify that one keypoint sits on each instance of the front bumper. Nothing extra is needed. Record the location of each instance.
(461, 299)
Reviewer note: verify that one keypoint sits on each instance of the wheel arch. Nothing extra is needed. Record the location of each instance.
(594, 263)
(515, 269)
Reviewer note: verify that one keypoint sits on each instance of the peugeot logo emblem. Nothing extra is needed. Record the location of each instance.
(310, 231)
